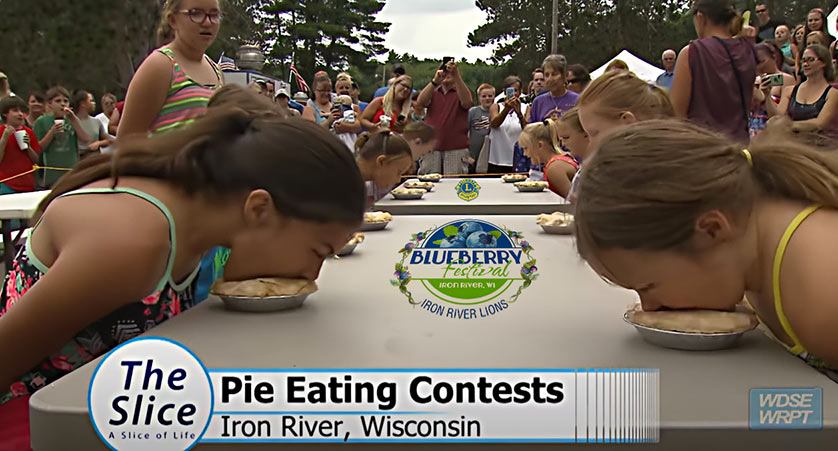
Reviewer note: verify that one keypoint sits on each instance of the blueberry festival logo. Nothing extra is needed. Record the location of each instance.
(467, 190)
(466, 269)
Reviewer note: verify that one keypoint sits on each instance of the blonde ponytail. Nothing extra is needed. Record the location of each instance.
(545, 131)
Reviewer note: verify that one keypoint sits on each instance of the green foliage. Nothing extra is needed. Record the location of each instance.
(323, 35)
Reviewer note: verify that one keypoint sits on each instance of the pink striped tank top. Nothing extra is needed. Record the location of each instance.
(186, 100)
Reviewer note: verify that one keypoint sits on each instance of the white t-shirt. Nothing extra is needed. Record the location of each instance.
(105, 120)
(503, 138)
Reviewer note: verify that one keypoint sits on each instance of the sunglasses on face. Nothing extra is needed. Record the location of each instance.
(760, 11)
(199, 15)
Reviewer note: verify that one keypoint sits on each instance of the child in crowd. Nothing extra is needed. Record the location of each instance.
(478, 121)
(613, 101)
(59, 133)
(540, 142)
(83, 104)
(15, 160)
(619, 98)
(383, 157)
(84, 283)
(691, 220)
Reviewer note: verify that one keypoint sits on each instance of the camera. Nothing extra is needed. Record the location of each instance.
(445, 62)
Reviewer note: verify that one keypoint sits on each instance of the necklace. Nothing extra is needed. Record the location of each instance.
(556, 111)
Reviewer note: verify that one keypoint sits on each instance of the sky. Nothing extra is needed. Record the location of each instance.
(433, 28)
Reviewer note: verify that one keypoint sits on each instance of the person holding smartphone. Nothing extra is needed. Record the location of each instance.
(447, 99)
(508, 120)
(478, 121)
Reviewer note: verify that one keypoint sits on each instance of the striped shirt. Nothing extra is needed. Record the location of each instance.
(186, 100)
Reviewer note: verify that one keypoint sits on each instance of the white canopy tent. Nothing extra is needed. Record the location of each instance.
(831, 20)
(644, 70)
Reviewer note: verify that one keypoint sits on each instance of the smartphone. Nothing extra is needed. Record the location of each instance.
(445, 62)
(775, 80)
(510, 93)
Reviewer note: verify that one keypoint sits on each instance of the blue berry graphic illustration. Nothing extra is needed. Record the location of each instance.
(467, 228)
(481, 239)
(453, 241)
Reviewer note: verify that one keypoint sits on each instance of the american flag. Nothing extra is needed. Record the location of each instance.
(225, 63)
(300, 81)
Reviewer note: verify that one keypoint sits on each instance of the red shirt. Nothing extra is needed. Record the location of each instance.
(16, 161)
(120, 106)
(554, 159)
(449, 119)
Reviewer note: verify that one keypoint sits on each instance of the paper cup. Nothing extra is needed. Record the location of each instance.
(59, 122)
(20, 142)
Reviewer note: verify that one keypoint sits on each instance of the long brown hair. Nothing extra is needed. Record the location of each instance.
(617, 92)
(306, 169)
(648, 183)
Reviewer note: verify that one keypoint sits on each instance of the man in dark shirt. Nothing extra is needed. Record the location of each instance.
(766, 23)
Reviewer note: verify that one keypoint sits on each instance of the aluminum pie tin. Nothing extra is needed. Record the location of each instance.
(530, 189)
(408, 196)
(433, 178)
(558, 229)
(514, 179)
(263, 304)
(348, 249)
(687, 341)
(410, 185)
(373, 226)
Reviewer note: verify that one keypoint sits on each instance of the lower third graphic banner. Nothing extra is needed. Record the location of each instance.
(434, 405)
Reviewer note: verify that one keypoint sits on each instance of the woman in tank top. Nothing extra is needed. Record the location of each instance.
(813, 103)
(174, 84)
(714, 74)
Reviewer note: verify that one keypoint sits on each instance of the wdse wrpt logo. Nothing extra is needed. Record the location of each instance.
(466, 269)
(150, 393)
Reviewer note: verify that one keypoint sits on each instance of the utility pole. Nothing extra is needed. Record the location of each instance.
(554, 47)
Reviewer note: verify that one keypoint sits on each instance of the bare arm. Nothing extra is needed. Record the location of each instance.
(681, 91)
(496, 115)
(463, 93)
(146, 95)
(426, 96)
(772, 108)
(350, 127)
(560, 174)
(7, 132)
(113, 123)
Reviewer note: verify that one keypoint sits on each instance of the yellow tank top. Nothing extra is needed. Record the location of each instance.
(797, 347)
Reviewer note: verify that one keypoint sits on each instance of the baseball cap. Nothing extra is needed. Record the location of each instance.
(281, 92)
(300, 97)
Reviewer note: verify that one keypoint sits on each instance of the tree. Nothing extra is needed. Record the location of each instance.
(331, 35)
(95, 45)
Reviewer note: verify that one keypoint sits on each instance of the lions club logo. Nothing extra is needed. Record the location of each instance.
(467, 190)
(466, 269)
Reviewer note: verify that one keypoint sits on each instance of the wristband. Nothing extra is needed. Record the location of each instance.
(434, 83)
